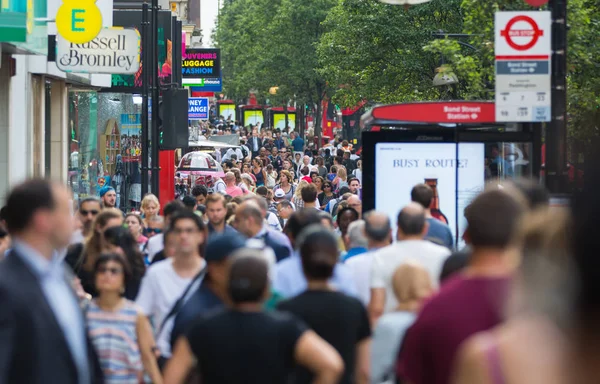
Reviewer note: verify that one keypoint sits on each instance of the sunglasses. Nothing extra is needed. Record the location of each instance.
(85, 213)
(153, 230)
(327, 186)
(112, 271)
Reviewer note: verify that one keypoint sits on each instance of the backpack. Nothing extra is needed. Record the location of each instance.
(244, 151)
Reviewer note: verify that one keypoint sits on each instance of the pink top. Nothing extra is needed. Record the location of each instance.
(234, 191)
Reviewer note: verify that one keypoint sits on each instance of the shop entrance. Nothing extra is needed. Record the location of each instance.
(455, 147)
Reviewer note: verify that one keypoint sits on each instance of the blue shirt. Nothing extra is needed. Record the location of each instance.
(298, 144)
(201, 301)
(354, 252)
(290, 280)
(439, 233)
(62, 301)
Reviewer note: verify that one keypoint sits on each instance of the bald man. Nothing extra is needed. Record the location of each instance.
(354, 202)
(410, 246)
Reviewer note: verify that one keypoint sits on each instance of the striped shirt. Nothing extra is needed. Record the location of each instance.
(114, 336)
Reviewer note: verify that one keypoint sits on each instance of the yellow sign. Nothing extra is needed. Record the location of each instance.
(79, 21)
(173, 7)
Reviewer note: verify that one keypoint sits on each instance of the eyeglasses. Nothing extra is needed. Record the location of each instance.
(112, 271)
(93, 212)
(153, 230)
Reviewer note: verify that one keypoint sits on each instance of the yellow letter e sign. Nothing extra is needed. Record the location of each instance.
(78, 21)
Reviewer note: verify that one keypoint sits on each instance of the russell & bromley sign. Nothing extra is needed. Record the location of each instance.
(114, 50)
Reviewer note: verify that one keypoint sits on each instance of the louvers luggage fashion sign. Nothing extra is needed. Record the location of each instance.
(114, 50)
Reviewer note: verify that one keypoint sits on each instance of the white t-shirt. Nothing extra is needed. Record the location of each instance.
(360, 266)
(161, 287)
(154, 245)
(386, 260)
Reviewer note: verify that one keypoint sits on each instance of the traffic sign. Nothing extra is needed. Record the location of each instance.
(78, 21)
(536, 3)
(523, 78)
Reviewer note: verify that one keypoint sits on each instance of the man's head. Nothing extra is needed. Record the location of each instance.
(422, 194)
(318, 251)
(262, 191)
(156, 225)
(355, 237)
(248, 277)
(309, 194)
(219, 252)
(279, 195)
(378, 228)
(354, 185)
(300, 220)
(249, 218)
(230, 179)
(190, 233)
(216, 209)
(189, 202)
(171, 208)
(411, 222)
(108, 196)
(306, 160)
(285, 209)
(491, 220)
(39, 209)
(87, 212)
(354, 202)
(227, 165)
(200, 192)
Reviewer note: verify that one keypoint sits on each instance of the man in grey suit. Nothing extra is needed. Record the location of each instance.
(42, 327)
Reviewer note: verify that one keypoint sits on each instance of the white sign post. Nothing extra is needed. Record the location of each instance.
(523, 70)
(114, 50)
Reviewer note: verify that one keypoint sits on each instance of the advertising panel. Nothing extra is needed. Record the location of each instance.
(131, 134)
(227, 111)
(207, 85)
(253, 117)
(114, 50)
(400, 166)
(279, 120)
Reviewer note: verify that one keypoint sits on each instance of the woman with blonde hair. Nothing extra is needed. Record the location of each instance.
(341, 179)
(82, 259)
(531, 347)
(150, 208)
(249, 181)
(286, 181)
(297, 199)
(412, 286)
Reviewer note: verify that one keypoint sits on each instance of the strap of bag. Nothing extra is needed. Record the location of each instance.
(179, 303)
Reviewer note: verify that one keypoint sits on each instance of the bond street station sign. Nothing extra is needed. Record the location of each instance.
(114, 50)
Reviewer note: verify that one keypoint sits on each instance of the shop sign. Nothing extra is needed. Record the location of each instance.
(200, 64)
(198, 108)
(207, 85)
(114, 50)
(79, 21)
(523, 79)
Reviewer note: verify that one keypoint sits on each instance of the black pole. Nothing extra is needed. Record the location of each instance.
(287, 121)
(145, 93)
(556, 132)
(155, 100)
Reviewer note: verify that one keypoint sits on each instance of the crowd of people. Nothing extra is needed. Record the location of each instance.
(294, 283)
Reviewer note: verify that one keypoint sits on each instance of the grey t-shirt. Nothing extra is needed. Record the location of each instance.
(439, 233)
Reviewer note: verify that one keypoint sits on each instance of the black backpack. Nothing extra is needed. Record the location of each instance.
(244, 151)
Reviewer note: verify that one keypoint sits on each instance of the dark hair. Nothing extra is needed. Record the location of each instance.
(304, 171)
(422, 194)
(229, 164)
(262, 191)
(350, 180)
(454, 263)
(318, 251)
(492, 218)
(172, 207)
(189, 201)
(89, 199)
(537, 195)
(300, 220)
(309, 193)
(411, 223)
(285, 204)
(122, 238)
(376, 231)
(248, 276)
(341, 212)
(105, 258)
(25, 200)
(339, 159)
(189, 215)
(345, 189)
(199, 190)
